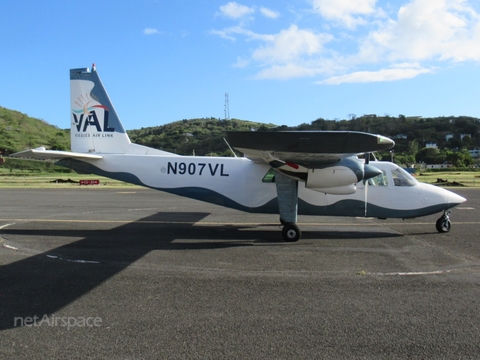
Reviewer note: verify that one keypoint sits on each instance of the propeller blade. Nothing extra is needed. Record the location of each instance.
(366, 197)
(369, 171)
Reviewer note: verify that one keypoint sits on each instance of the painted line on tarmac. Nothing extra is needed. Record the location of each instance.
(4, 226)
(6, 246)
(415, 273)
(73, 260)
(99, 221)
(212, 223)
(429, 223)
(199, 223)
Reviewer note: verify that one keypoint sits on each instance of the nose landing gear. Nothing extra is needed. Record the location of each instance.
(443, 224)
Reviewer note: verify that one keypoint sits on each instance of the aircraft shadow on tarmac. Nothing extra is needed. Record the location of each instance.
(43, 283)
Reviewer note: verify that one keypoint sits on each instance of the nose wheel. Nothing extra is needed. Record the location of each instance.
(444, 224)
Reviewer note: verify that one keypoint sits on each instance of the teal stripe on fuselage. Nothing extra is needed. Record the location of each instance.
(347, 207)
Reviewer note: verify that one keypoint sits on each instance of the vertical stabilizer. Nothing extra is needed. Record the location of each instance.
(95, 126)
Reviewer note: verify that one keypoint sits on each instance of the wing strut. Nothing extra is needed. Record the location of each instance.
(287, 194)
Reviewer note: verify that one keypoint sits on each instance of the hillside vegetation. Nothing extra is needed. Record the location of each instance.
(19, 132)
(205, 136)
(194, 137)
(407, 129)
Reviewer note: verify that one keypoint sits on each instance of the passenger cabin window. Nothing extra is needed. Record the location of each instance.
(402, 178)
(379, 180)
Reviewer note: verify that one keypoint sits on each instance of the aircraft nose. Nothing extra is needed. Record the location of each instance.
(455, 199)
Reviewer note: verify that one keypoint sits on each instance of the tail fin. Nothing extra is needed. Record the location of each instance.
(95, 126)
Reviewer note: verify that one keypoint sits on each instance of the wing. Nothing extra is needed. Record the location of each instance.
(42, 154)
(324, 160)
(308, 149)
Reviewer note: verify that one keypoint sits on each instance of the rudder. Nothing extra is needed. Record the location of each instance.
(95, 125)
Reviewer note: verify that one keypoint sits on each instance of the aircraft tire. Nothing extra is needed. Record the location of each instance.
(291, 233)
(443, 225)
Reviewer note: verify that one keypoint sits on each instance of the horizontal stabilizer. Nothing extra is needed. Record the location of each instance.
(42, 154)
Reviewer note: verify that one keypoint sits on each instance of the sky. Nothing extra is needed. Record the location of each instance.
(285, 62)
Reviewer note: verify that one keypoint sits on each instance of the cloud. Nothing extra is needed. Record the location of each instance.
(230, 32)
(288, 71)
(234, 10)
(426, 30)
(290, 44)
(241, 62)
(376, 44)
(346, 12)
(269, 13)
(151, 31)
(393, 74)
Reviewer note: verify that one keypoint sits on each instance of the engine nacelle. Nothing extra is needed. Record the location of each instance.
(336, 180)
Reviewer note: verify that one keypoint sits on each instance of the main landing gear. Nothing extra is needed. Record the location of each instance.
(444, 224)
(287, 194)
(290, 232)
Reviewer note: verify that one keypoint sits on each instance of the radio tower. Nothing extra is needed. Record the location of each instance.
(227, 108)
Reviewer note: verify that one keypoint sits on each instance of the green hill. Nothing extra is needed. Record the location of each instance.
(19, 132)
(196, 136)
(461, 131)
(205, 136)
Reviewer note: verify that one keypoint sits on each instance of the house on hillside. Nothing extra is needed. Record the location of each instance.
(439, 166)
(475, 153)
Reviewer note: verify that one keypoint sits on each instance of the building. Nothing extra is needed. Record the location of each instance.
(439, 166)
(474, 153)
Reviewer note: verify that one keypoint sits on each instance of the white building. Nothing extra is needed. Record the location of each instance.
(475, 153)
(439, 166)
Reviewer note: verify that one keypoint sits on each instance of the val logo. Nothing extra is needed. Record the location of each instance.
(87, 116)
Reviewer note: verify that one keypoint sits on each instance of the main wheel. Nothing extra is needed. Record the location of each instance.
(443, 225)
(291, 233)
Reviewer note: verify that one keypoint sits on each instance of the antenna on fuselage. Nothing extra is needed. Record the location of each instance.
(233, 152)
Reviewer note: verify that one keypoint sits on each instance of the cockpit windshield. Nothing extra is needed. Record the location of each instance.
(379, 180)
(403, 178)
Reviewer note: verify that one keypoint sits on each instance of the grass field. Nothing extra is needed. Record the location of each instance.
(468, 179)
(23, 178)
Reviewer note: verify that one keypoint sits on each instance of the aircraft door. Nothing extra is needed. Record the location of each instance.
(378, 192)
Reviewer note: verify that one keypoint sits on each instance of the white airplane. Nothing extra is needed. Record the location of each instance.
(285, 173)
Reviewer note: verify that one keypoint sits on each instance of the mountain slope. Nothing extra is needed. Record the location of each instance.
(194, 137)
(19, 132)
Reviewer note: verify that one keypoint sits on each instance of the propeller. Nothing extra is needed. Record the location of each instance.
(366, 177)
(369, 171)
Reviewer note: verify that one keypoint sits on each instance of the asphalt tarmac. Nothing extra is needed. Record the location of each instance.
(133, 274)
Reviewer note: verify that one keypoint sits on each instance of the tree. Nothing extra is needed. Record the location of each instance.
(460, 158)
(467, 142)
(412, 148)
(430, 156)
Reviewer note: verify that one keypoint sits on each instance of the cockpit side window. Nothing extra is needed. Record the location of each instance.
(402, 178)
(379, 180)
